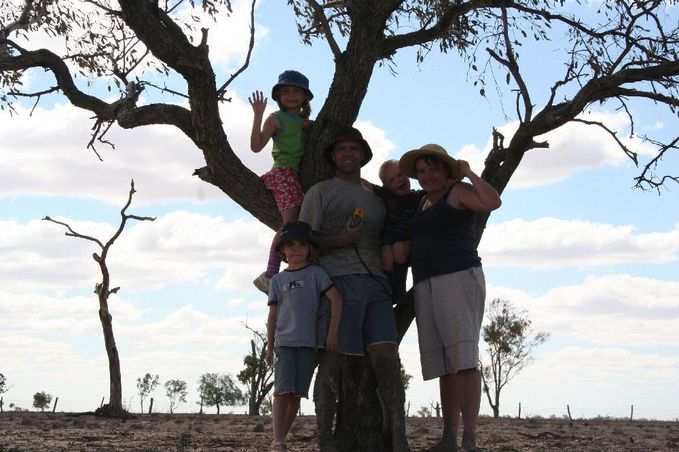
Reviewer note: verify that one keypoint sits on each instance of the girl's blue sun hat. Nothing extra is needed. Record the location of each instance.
(291, 78)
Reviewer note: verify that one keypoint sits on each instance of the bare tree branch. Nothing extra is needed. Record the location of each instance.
(251, 45)
(322, 20)
(631, 154)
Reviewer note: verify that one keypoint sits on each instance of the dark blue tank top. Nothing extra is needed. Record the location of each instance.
(442, 240)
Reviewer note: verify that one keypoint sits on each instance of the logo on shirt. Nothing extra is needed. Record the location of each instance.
(292, 285)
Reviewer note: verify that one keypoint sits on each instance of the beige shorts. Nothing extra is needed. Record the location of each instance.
(449, 312)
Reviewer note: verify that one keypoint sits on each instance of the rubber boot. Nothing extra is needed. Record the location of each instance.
(326, 390)
(468, 441)
(390, 390)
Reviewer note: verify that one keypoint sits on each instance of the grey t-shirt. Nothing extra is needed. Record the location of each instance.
(327, 206)
(302, 309)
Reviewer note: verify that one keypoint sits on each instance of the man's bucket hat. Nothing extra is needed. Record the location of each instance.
(291, 78)
(407, 163)
(296, 230)
(348, 133)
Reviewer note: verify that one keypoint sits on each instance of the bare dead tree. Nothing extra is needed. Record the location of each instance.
(257, 375)
(115, 406)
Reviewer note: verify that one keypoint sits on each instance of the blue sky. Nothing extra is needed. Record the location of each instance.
(594, 261)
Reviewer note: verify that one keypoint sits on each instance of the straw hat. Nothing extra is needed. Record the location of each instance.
(407, 163)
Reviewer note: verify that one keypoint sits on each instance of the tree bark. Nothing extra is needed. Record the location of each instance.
(115, 400)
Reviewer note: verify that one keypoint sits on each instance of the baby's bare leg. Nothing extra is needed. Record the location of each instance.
(387, 258)
(400, 252)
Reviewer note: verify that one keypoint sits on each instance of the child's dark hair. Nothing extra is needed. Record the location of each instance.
(311, 258)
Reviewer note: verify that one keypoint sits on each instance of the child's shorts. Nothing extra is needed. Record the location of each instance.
(285, 186)
(293, 370)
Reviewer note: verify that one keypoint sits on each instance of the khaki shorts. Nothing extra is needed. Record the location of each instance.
(449, 312)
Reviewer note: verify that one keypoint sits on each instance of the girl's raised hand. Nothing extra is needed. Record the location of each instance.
(258, 102)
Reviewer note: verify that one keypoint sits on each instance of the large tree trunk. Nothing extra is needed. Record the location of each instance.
(358, 394)
(115, 400)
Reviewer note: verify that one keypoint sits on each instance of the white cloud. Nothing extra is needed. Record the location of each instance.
(613, 310)
(574, 148)
(176, 248)
(554, 243)
(594, 382)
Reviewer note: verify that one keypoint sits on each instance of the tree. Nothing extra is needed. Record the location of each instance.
(510, 344)
(145, 386)
(176, 391)
(217, 390)
(3, 389)
(624, 52)
(42, 400)
(424, 411)
(115, 405)
(257, 376)
(405, 378)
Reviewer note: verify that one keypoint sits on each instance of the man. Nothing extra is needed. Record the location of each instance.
(351, 255)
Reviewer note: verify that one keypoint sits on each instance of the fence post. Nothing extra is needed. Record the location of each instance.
(54, 408)
(519, 416)
(102, 402)
(151, 405)
(631, 412)
(568, 408)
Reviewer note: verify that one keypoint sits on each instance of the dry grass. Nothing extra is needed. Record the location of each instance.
(20, 432)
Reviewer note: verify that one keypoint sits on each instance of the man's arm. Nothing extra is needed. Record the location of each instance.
(346, 237)
(270, 333)
(312, 212)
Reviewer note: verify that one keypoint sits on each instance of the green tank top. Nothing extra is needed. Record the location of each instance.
(288, 144)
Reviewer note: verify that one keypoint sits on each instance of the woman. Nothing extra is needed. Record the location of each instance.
(449, 284)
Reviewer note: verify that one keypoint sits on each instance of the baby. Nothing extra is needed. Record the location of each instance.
(401, 203)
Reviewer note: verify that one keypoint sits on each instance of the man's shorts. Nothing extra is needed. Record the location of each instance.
(367, 315)
(449, 311)
(285, 186)
(293, 369)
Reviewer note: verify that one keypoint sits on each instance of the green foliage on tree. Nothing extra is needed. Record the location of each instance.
(405, 377)
(219, 390)
(257, 375)
(176, 391)
(3, 384)
(145, 386)
(42, 400)
(510, 342)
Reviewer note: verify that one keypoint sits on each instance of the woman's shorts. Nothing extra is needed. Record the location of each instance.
(285, 186)
(293, 370)
(449, 311)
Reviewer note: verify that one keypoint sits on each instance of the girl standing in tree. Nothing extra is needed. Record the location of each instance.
(287, 127)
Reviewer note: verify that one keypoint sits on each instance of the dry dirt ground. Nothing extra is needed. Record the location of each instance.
(29, 431)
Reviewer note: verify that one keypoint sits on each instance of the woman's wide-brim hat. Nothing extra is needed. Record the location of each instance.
(348, 133)
(291, 78)
(407, 163)
(296, 230)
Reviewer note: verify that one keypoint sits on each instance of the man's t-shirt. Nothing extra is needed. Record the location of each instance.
(327, 206)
